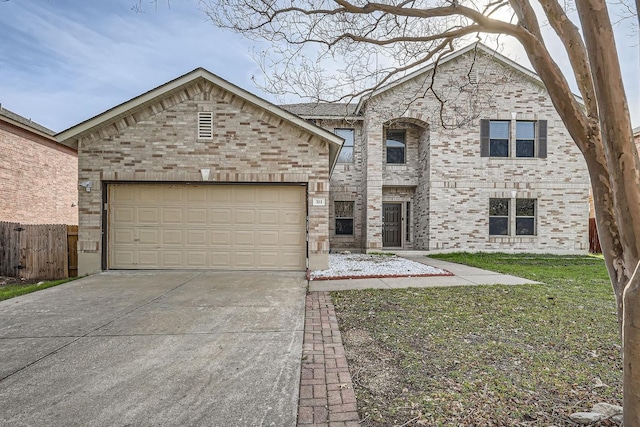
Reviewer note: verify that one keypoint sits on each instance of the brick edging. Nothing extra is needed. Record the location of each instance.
(327, 397)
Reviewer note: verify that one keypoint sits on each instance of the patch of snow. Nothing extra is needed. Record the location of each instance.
(367, 265)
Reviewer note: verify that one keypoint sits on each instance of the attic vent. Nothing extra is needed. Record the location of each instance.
(205, 125)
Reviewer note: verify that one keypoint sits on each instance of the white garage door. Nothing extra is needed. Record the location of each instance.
(238, 227)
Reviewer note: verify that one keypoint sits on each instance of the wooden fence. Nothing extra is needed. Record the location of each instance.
(594, 240)
(38, 251)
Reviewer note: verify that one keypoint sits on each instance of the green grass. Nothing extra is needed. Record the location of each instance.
(11, 291)
(486, 355)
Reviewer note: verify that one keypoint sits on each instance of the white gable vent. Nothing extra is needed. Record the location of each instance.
(205, 125)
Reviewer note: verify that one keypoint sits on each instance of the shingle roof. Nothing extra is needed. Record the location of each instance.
(24, 121)
(325, 109)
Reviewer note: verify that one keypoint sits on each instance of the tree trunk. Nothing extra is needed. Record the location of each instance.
(631, 350)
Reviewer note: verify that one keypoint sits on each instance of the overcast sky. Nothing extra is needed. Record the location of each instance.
(64, 61)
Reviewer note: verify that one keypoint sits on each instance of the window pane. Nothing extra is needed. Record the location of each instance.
(498, 226)
(499, 129)
(499, 148)
(525, 226)
(525, 148)
(525, 207)
(395, 144)
(395, 155)
(346, 153)
(344, 226)
(344, 209)
(525, 130)
(498, 207)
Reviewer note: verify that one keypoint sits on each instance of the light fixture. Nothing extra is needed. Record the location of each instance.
(86, 185)
(205, 174)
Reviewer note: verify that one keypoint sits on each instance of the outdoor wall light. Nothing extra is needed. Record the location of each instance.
(86, 185)
(205, 174)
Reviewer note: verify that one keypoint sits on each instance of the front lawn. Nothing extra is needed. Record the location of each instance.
(14, 290)
(486, 355)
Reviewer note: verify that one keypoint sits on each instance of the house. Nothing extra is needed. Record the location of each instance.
(198, 173)
(473, 158)
(38, 175)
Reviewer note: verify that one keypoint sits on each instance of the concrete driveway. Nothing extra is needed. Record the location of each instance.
(154, 348)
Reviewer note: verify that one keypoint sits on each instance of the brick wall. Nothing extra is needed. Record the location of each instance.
(38, 179)
(159, 143)
(453, 191)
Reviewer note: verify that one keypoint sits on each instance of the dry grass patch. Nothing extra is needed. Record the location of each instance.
(487, 355)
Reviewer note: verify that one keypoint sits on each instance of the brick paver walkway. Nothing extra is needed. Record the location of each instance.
(326, 392)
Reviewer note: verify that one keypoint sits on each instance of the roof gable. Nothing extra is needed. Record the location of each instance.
(530, 75)
(177, 90)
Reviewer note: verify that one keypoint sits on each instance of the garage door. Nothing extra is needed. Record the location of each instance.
(238, 227)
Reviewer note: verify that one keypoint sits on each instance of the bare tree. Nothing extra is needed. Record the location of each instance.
(378, 41)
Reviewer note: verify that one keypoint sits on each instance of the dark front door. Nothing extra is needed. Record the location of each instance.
(391, 224)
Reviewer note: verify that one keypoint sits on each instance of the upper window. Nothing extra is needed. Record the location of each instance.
(344, 217)
(346, 153)
(205, 125)
(497, 138)
(525, 139)
(396, 145)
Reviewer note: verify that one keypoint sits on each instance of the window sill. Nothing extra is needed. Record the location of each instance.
(512, 239)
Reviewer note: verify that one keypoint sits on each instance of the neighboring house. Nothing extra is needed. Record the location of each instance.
(38, 175)
(488, 167)
(199, 173)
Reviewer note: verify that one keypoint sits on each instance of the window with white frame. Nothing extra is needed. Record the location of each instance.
(513, 138)
(344, 217)
(505, 221)
(346, 153)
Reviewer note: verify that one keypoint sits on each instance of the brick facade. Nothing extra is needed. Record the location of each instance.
(445, 183)
(38, 176)
(158, 142)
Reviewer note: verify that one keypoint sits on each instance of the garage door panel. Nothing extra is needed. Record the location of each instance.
(172, 215)
(149, 194)
(123, 236)
(244, 260)
(289, 217)
(268, 217)
(245, 216)
(125, 215)
(207, 226)
(172, 237)
(221, 216)
(148, 258)
(196, 216)
(172, 259)
(245, 238)
(196, 237)
(148, 216)
(221, 238)
(267, 238)
(292, 238)
(196, 259)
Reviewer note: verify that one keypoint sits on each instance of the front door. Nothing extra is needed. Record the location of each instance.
(392, 224)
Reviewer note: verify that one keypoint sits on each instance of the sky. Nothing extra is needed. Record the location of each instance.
(65, 61)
